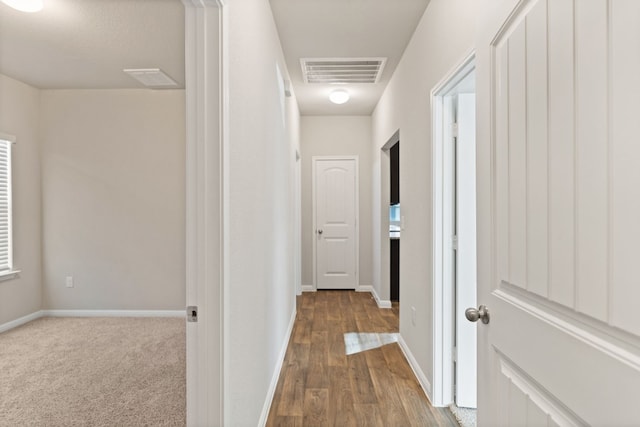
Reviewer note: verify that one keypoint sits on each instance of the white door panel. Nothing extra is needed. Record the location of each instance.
(335, 212)
(466, 369)
(558, 208)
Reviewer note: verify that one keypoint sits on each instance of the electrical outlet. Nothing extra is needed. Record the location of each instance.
(413, 316)
(69, 282)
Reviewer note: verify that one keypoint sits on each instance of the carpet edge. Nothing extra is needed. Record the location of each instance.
(113, 313)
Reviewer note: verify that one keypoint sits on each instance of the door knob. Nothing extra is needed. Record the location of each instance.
(481, 312)
(319, 231)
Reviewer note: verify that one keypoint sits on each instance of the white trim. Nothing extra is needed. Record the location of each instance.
(604, 339)
(207, 108)
(8, 275)
(314, 160)
(547, 402)
(442, 298)
(422, 378)
(21, 321)
(90, 313)
(113, 313)
(308, 288)
(276, 373)
(372, 290)
(7, 137)
(384, 249)
(395, 138)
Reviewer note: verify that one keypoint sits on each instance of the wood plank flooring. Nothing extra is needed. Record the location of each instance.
(321, 386)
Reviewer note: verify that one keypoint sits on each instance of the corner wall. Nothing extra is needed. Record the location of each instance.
(20, 117)
(444, 37)
(336, 136)
(260, 162)
(113, 173)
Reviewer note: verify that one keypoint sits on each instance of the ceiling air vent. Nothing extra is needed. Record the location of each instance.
(342, 70)
(153, 78)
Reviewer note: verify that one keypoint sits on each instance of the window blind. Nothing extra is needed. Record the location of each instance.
(6, 255)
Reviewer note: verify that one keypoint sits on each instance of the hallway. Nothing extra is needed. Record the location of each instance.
(319, 385)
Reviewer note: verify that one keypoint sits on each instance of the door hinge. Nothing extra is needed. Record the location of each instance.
(454, 130)
(454, 243)
(192, 313)
(454, 354)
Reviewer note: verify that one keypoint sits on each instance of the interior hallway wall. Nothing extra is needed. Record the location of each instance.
(337, 136)
(113, 173)
(20, 117)
(444, 37)
(259, 282)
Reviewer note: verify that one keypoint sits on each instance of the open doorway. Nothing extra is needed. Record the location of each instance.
(394, 224)
(391, 150)
(455, 242)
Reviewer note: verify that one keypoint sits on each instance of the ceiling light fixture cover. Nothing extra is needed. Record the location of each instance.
(25, 5)
(339, 96)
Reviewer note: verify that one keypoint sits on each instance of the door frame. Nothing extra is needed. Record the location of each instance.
(314, 161)
(442, 225)
(385, 199)
(206, 72)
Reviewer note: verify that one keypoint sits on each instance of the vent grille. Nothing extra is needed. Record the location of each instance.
(342, 70)
(151, 77)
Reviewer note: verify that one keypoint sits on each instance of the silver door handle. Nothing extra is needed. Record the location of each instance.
(319, 231)
(481, 312)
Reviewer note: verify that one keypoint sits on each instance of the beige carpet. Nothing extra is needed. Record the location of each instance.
(93, 372)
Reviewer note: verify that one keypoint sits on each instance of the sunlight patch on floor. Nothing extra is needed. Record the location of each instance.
(356, 342)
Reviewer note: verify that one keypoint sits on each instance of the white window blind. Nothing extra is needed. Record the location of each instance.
(6, 241)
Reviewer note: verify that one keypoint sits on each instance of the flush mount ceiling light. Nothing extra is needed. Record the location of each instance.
(339, 96)
(25, 5)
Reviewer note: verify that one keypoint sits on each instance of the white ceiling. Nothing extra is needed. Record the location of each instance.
(86, 43)
(344, 28)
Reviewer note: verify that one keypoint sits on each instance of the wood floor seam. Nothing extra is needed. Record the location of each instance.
(320, 385)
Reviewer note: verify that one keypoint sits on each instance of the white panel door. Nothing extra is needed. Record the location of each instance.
(558, 213)
(335, 189)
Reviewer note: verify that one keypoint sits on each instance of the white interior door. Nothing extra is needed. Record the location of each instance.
(335, 204)
(466, 368)
(559, 210)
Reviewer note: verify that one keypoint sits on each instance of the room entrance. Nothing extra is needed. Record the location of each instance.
(455, 239)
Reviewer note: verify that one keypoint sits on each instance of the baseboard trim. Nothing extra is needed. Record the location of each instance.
(422, 378)
(90, 313)
(381, 303)
(114, 313)
(21, 321)
(276, 374)
(308, 288)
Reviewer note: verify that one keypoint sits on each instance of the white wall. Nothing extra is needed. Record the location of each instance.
(334, 136)
(294, 128)
(444, 37)
(113, 199)
(19, 116)
(259, 234)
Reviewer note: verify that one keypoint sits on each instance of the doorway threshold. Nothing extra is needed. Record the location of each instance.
(466, 417)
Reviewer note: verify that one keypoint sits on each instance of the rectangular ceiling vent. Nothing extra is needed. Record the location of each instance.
(342, 70)
(153, 78)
